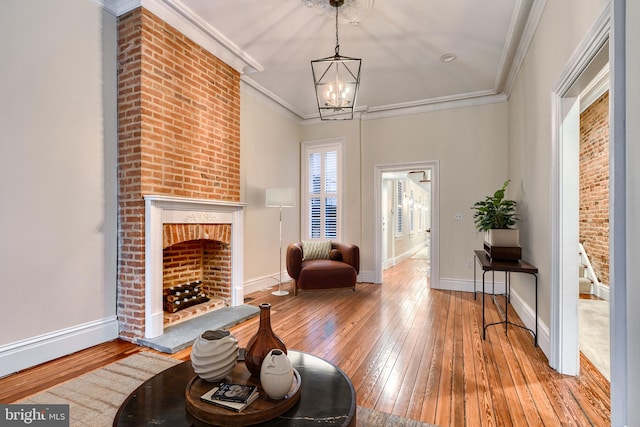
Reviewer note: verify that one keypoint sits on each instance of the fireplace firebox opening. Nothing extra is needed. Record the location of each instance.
(196, 274)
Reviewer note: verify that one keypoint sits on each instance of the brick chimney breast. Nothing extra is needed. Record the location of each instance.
(178, 135)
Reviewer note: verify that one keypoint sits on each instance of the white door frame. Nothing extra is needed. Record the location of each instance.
(564, 345)
(434, 252)
(623, 249)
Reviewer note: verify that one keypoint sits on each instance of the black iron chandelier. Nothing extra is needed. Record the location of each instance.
(336, 79)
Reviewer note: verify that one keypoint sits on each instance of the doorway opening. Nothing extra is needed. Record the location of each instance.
(594, 201)
(588, 61)
(406, 216)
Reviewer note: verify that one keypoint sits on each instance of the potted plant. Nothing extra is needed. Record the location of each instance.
(496, 216)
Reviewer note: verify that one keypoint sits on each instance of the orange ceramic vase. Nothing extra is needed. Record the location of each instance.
(262, 342)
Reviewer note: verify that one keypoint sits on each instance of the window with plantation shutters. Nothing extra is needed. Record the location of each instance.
(399, 207)
(412, 211)
(321, 190)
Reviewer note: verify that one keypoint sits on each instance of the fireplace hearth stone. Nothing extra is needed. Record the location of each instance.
(182, 335)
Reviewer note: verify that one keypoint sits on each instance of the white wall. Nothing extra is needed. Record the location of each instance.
(471, 145)
(57, 179)
(625, 371)
(633, 206)
(633, 213)
(270, 157)
(563, 26)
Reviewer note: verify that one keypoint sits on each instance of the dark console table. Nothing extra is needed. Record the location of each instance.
(507, 267)
(327, 396)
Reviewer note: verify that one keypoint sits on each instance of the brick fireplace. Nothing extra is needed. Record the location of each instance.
(178, 160)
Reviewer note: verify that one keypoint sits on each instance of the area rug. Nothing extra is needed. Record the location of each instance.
(94, 398)
(370, 417)
(594, 334)
(182, 335)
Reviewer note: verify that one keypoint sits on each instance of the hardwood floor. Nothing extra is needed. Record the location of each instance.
(409, 350)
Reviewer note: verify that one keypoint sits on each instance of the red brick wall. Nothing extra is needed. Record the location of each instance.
(182, 263)
(206, 260)
(594, 185)
(179, 135)
(216, 269)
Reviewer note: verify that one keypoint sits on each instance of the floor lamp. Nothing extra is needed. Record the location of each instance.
(280, 197)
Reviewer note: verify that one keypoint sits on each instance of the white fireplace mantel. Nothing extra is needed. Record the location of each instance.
(161, 210)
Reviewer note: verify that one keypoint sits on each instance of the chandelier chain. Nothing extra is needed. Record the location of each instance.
(337, 40)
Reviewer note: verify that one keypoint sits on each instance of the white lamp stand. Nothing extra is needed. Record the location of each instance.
(280, 197)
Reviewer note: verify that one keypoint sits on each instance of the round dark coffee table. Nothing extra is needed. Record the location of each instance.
(327, 397)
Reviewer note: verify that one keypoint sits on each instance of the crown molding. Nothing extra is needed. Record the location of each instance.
(525, 42)
(270, 100)
(176, 14)
(514, 33)
(418, 107)
(272, 97)
(435, 104)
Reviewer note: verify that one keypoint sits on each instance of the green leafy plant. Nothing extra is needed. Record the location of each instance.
(495, 212)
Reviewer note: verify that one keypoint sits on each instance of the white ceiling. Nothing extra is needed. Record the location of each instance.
(400, 43)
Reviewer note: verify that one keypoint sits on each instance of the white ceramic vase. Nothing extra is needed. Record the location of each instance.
(214, 354)
(276, 374)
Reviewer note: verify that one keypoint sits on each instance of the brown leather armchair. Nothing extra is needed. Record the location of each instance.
(339, 271)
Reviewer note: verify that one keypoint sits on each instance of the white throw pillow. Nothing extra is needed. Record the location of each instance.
(316, 250)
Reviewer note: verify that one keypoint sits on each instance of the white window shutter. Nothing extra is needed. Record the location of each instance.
(321, 219)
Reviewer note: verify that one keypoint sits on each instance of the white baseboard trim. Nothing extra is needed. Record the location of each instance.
(24, 354)
(465, 285)
(366, 277)
(602, 291)
(271, 281)
(525, 312)
(265, 282)
(528, 317)
(390, 262)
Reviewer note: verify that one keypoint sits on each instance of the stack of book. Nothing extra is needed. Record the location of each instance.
(231, 396)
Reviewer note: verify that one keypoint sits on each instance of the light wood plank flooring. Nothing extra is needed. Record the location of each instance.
(409, 350)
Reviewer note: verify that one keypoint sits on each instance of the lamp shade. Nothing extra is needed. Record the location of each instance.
(280, 197)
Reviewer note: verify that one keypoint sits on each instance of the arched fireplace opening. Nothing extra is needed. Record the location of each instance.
(196, 276)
